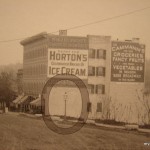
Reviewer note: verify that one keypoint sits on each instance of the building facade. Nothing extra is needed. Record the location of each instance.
(20, 81)
(127, 81)
(46, 55)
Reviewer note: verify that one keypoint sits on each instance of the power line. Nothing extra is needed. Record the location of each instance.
(110, 18)
(91, 23)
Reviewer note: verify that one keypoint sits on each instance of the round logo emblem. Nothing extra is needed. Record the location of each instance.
(47, 117)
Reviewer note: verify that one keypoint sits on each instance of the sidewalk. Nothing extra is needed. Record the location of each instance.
(144, 130)
(88, 122)
(110, 126)
(122, 127)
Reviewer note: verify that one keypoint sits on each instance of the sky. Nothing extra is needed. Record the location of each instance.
(20, 19)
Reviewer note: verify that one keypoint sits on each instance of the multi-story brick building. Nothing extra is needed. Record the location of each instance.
(20, 81)
(103, 91)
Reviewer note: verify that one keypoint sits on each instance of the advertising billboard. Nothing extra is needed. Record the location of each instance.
(127, 62)
(68, 61)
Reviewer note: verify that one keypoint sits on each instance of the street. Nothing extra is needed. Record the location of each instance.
(23, 133)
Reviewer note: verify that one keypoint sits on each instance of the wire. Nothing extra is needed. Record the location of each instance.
(91, 23)
(110, 18)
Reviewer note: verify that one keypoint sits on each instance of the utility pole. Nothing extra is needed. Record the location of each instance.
(65, 99)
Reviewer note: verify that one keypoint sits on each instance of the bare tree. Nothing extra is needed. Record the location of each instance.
(145, 101)
(106, 108)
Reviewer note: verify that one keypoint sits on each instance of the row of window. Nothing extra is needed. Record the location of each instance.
(97, 53)
(42, 68)
(93, 89)
(40, 43)
(35, 70)
(96, 71)
(35, 53)
(99, 107)
(93, 53)
(96, 89)
(33, 87)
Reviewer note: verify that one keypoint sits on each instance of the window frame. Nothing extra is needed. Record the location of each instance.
(89, 107)
(103, 71)
(101, 107)
(93, 71)
(103, 56)
(91, 88)
(102, 89)
(92, 53)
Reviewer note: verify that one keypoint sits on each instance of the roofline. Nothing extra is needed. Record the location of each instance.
(33, 38)
(72, 36)
(128, 41)
(44, 35)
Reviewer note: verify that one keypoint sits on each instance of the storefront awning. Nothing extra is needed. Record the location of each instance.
(17, 99)
(23, 99)
(36, 102)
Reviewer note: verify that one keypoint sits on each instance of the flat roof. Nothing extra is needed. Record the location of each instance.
(46, 35)
(33, 38)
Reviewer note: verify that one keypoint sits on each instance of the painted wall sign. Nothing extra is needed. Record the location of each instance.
(127, 62)
(68, 61)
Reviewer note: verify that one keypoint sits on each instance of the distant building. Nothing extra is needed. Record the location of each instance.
(113, 72)
(20, 81)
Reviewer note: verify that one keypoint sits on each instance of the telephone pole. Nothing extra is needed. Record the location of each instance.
(65, 99)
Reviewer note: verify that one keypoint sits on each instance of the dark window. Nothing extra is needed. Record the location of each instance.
(101, 53)
(89, 107)
(34, 53)
(100, 89)
(40, 52)
(40, 68)
(91, 71)
(99, 107)
(91, 88)
(36, 69)
(100, 71)
(91, 53)
(43, 49)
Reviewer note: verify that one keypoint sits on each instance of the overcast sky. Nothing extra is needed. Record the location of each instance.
(23, 18)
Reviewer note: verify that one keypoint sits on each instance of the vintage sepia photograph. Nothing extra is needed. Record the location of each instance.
(75, 75)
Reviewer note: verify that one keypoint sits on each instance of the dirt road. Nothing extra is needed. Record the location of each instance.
(23, 133)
